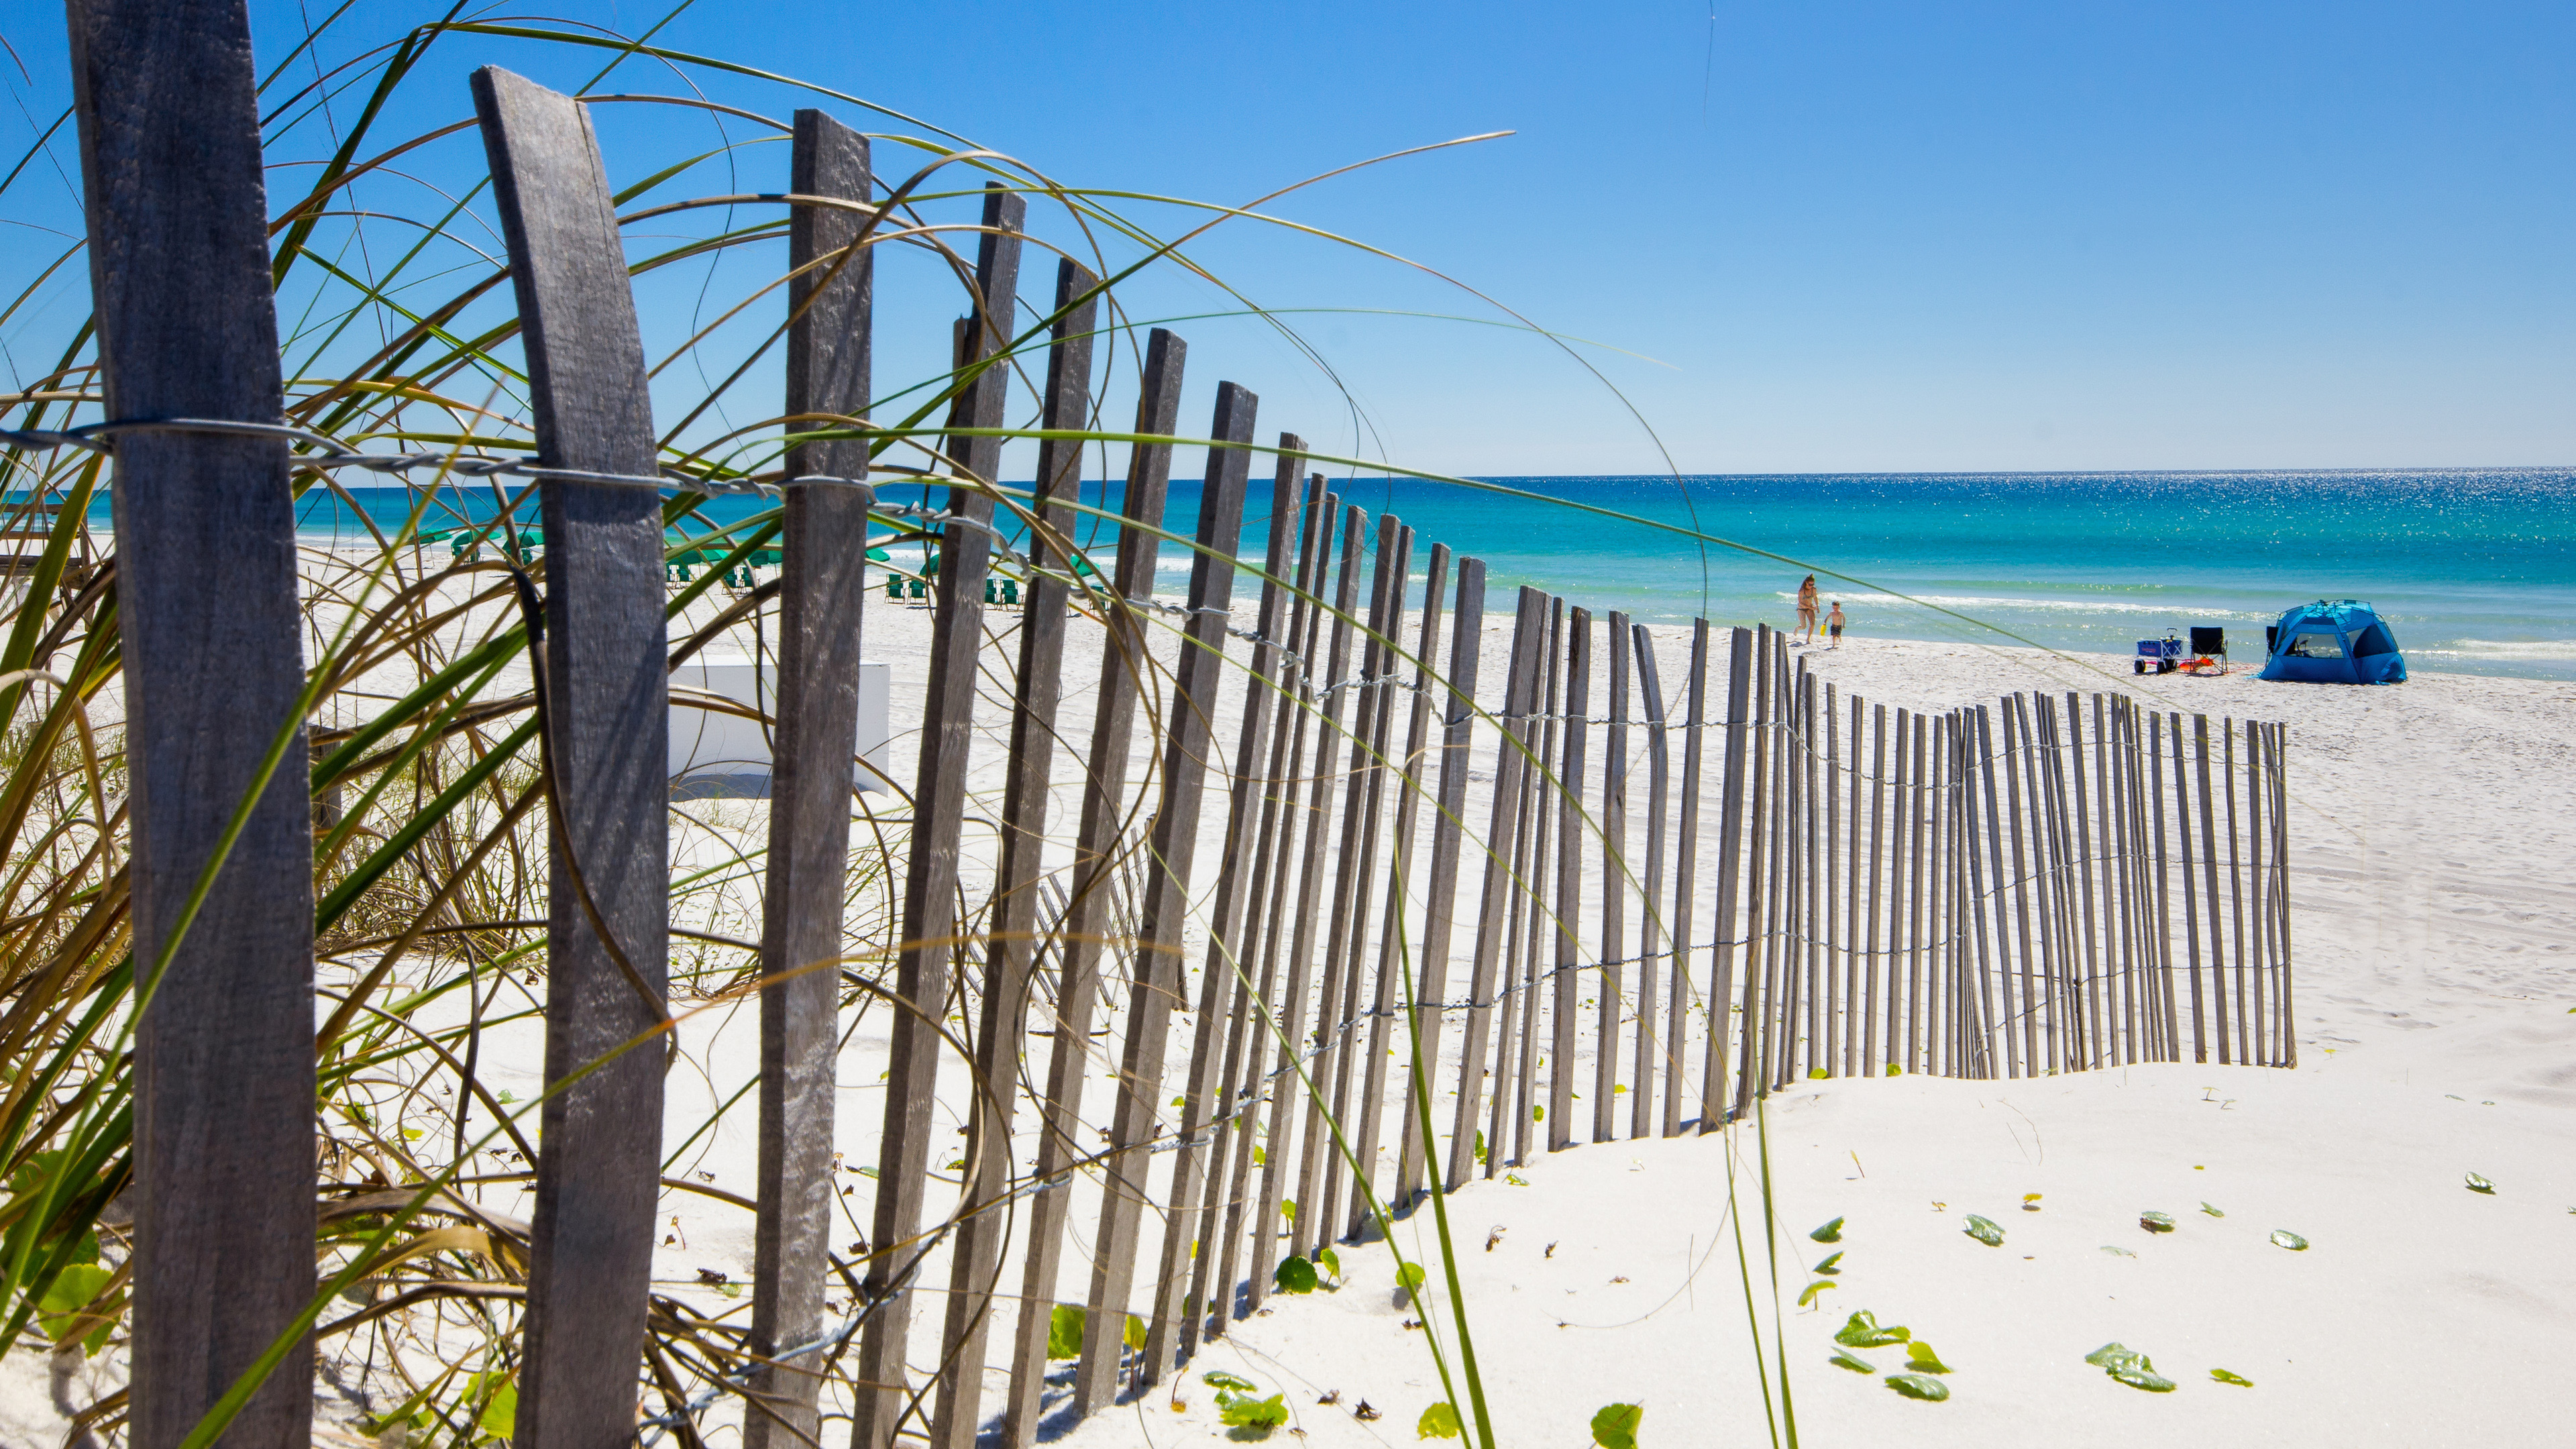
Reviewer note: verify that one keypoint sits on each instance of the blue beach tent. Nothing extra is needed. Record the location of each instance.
(2334, 641)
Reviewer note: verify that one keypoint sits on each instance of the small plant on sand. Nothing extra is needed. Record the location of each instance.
(2130, 1367)
(1831, 1232)
(1984, 1231)
(2480, 1184)
(2284, 1238)
(1238, 1408)
(1440, 1421)
(1294, 1275)
(1862, 1330)
(2224, 1377)
(1615, 1426)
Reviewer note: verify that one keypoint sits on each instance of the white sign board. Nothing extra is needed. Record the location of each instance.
(716, 749)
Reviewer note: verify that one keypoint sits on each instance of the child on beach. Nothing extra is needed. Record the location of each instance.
(1834, 623)
(1807, 611)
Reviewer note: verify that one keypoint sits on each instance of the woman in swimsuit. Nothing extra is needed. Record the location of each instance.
(1807, 611)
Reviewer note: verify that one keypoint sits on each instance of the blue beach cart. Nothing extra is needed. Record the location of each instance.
(2157, 656)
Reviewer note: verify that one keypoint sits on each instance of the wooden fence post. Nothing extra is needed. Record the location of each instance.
(1569, 885)
(1440, 897)
(1345, 921)
(208, 613)
(1654, 934)
(1730, 866)
(1310, 883)
(1685, 882)
(1011, 953)
(1080, 935)
(1520, 692)
(1391, 955)
(1162, 976)
(1614, 880)
(607, 705)
(1274, 863)
(820, 606)
(1173, 1329)
(926, 950)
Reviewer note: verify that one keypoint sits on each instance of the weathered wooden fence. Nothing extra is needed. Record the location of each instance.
(1372, 896)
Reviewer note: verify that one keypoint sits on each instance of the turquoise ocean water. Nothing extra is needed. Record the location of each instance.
(2475, 569)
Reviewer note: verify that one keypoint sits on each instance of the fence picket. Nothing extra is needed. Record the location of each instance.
(926, 952)
(1568, 927)
(1519, 701)
(1685, 882)
(1614, 880)
(1301, 950)
(1391, 939)
(1161, 977)
(1275, 861)
(1730, 859)
(1370, 745)
(1084, 927)
(822, 598)
(207, 615)
(1011, 947)
(1440, 897)
(1229, 1091)
(1654, 933)
(607, 723)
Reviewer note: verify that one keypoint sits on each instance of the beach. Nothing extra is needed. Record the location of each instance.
(2431, 909)
(2433, 914)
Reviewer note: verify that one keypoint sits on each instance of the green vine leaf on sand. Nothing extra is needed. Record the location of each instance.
(1243, 1411)
(2480, 1184)
(1220, 1379)
(1984, 1231)
(1919, 1386)
(1064, 1331)
(1409, 1276)
(1894, 1070)
(1827, 1267)
(1294, 1275)
(1288, 1208)
(2156, 1222)
(1924, 1360)
(1819, 1286)
(2284, 1238)
(1863, 1331)
(1329, 1261)
(2145, 1378)
(1615, 1426)
(1440, 1421)
(1135, 1334)
(1831, 1232)
(2213, 1212)
(1817, 1074)
(2117, 1252)
(1843, 1358)
(1480, 1146)
(2130, 1367)
(2224, 1377)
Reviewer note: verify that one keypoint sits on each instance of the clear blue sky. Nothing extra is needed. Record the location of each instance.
(1886, 237)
